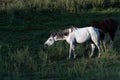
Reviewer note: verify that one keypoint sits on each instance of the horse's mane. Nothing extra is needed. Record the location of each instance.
(59, 34)
(63, 33)
(72, 28)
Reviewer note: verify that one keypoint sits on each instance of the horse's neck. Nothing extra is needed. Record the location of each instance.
(66, 38)
(60, 39)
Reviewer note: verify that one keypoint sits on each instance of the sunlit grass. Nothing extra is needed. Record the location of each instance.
(67, 5)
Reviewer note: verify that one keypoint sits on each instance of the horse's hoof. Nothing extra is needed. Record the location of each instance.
(98, 56)
(90, 57)
(75, 57)
(68, 58)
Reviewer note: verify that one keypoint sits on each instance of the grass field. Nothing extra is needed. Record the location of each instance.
(23, 57)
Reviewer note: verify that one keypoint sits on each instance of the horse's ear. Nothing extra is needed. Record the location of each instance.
(53, 34)
(71, 28)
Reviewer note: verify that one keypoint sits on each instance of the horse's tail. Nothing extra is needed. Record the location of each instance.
(115, 24)
(102, 35)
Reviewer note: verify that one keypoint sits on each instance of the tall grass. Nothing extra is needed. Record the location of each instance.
(22, 56)
(67, 5)
(52, 63)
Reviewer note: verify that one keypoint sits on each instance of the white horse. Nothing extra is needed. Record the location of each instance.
(78, 35)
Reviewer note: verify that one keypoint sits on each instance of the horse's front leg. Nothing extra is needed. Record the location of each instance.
(70, 51)
(72, 48)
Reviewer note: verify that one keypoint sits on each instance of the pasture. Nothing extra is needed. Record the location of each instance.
(23, 57)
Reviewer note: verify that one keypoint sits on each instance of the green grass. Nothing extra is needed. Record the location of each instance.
(64, 5)
(23, 57)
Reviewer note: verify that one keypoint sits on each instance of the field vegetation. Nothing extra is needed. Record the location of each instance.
(26, 24)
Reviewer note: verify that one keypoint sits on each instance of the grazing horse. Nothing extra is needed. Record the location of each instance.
(107, 26)
(75, 35)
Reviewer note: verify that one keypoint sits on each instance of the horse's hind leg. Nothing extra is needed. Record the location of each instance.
(98, 51)
(97, 45)
(112, 36)
(103, 45)
(93, 48)
(97, 42)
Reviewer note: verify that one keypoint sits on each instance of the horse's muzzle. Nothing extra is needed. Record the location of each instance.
(45, 45)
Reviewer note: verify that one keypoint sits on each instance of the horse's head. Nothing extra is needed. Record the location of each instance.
(51, 39)
(55, 36)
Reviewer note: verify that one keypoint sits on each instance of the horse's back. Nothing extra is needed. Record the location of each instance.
(110, 24)
(107, 25)
(81, 35)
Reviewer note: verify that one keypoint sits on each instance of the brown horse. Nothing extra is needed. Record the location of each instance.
(107, 26)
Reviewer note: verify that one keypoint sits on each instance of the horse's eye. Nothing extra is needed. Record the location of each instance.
(50, 39)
